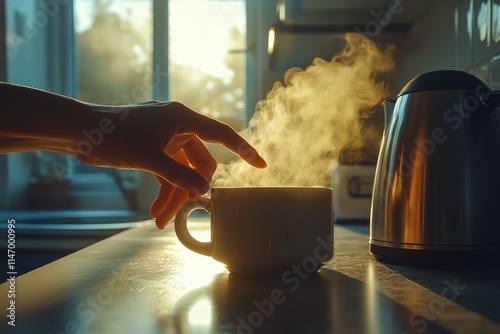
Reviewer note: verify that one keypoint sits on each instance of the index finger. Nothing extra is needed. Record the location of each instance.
(214, 131)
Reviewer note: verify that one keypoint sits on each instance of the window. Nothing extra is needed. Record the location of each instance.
(127, 51)
(120, 58)
(206, 54)
(114, 48)
(207, 57)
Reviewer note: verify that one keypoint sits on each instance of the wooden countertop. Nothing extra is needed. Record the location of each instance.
(144, 281)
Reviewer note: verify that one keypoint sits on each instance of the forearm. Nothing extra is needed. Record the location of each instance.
(32, 119)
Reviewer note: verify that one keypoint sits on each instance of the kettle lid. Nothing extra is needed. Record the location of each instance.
(443, 80)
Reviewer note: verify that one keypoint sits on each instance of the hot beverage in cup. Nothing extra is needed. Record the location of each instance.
(263, 230)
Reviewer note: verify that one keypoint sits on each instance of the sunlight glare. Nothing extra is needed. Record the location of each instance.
(200, 38)
(200, 314)
(198, 270)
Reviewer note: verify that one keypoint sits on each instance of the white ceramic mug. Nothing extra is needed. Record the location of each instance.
(264, 230)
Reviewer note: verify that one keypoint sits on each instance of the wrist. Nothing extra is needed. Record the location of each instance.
(89, 128)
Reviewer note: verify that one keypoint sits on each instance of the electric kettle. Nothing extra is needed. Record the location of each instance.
(436, 195)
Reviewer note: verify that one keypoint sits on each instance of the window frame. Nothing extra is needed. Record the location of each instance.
(160, 49)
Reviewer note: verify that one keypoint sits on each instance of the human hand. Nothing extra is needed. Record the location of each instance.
(165, 138)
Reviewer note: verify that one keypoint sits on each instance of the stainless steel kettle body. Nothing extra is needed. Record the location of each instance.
(436, 196)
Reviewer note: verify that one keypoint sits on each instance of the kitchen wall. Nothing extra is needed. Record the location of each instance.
(430, 45)
(452, 34)
(291, 50)
(455, 34)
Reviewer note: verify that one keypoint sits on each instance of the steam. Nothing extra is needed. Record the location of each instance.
(303, 125)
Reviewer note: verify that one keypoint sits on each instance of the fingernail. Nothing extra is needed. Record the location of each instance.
(262, 163)
(251, 155)
(258, 161)
(159, 225)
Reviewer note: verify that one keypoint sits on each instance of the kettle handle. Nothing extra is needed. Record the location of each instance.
(490, 100)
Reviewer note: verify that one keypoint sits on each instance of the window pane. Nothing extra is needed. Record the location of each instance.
(114, 50)
(207, 57)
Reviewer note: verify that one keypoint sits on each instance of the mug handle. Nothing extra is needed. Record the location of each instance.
(204, 248)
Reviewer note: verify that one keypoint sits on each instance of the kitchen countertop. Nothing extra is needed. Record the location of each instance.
(144, 281)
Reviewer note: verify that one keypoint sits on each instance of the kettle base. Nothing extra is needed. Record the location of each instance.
(444, 259)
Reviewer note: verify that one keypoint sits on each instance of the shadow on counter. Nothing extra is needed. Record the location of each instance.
(475, 289)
